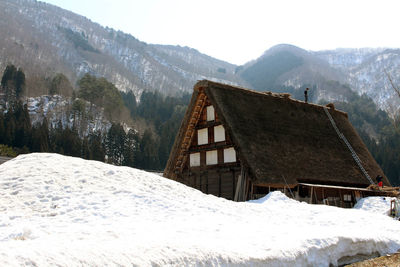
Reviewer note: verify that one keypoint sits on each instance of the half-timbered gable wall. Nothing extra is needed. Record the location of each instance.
(212, 165)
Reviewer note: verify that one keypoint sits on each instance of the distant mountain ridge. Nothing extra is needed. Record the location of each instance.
(55, 40)
(332, 74)
(289, 68)
(364, 70)
(44, 39)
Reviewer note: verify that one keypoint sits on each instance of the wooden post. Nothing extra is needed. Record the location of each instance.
(241, 186)
(238, 188)
(233, 184)
(207, 180)
(247, 188)
(312, 190)
(323, 197)
(219, 183)
(316, 197)
(297, 194)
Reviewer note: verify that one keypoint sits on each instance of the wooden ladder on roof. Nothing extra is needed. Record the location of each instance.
(353, 153)
(190, 132)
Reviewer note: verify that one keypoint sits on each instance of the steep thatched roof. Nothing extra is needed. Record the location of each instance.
(282, 140)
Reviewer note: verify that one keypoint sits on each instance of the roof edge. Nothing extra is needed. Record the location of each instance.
(208, 83)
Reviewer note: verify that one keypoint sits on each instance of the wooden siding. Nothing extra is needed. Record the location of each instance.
(218, 181)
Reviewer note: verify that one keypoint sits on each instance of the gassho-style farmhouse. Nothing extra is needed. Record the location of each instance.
(241, 144)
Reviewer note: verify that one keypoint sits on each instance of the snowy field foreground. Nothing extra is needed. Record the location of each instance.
(64, 211)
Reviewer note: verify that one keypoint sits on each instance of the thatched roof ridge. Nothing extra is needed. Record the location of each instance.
(207, 83)
(283, 140)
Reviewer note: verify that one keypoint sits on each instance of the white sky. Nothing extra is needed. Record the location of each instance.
(238, 31)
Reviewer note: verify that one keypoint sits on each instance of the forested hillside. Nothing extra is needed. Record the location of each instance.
(137, 135)
(46, 39)
(141, 133)
(379, 132)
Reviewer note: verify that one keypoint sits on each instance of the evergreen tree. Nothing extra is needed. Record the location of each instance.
(148, 159)
(13, 82)
(89, 90)
(56, 138)
(2, 128)
(114, 144)
(8, 75)
(23, 130)
(8, 82)
(40, 137)
(10, 126)
(19, 83)
(85, 154)
(96, 146)
(72, 143)
(130, 102)
(102, 93)
(131, 148)
(60, 85)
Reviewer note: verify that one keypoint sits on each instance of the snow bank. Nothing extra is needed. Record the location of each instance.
(57, 210)
(379, 205)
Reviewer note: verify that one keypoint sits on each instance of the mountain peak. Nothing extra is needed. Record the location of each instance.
(285, 47)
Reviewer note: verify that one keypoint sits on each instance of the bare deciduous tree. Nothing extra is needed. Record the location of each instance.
(397, 90)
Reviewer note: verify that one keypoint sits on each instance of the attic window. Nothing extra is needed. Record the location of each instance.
(219, 133)
(229, 155)
(202, 136)
(194, 159)
(212, 157)
(210, 113)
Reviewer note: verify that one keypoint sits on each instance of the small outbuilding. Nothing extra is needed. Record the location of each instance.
(241, 144)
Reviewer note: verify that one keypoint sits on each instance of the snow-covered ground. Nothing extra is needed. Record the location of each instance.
(63, 211)
(379, 205)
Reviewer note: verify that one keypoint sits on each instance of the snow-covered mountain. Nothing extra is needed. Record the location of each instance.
(333, 74)
(289, 68)
(366, 71)
(44, 39)
(347, 57)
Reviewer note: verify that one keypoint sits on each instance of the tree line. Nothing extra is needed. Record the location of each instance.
(162, 115)
(120, 145)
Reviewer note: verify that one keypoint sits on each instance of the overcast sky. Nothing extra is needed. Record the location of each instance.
(238, 31)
